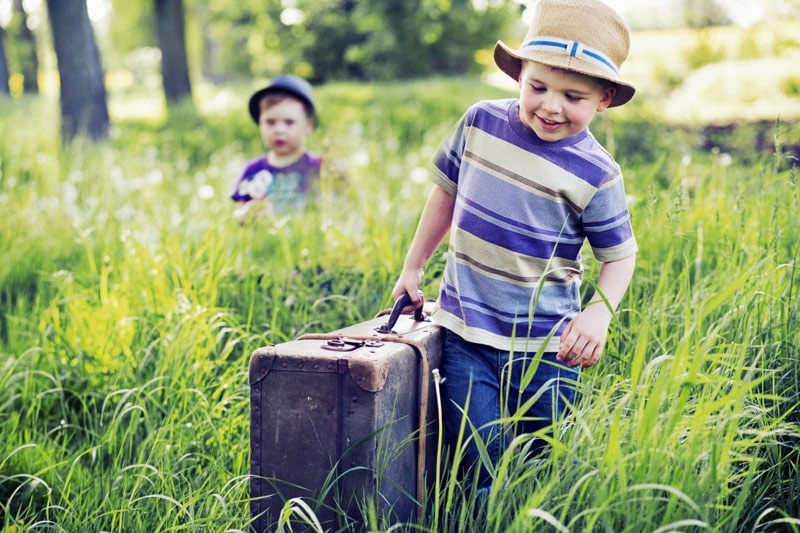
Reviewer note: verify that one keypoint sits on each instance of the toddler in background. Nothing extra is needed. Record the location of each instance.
(279, 181)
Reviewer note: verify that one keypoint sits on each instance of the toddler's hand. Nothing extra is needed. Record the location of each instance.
(584, 337)
(241, 212)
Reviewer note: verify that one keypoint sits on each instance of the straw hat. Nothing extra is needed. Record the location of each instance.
(585, 36)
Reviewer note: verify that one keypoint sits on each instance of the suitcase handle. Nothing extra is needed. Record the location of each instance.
(401, 302)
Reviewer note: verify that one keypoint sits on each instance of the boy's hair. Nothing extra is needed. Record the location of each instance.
(276, 96)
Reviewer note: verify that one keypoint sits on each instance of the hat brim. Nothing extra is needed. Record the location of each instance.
(510, 62)
(255, 101)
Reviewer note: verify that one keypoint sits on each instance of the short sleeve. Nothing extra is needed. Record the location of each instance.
(315, 164)
(446, 162)
(239, 193)
(607, 224)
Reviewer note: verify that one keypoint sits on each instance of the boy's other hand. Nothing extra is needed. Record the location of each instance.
(409, 281)
(584, 337)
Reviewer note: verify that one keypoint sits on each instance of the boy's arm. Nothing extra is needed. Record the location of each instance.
(584, 337)
(433, 226)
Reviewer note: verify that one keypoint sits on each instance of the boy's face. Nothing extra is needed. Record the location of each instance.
(284, 127)
(557, 103)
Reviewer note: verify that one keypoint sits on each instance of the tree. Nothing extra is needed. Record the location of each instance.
(83, 95)
(27, 61)
(4, 91)
(171, 40)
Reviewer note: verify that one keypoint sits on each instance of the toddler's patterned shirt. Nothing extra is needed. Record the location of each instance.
(287, 187)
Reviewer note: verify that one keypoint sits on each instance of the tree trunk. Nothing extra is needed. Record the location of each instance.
(28, 60)
(83, 95)
(4, 90)
(171, 40)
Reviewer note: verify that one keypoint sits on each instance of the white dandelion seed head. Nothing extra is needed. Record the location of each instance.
(360, 158)
(155, 176)
(69, 192)
(418, 175)
(205, 192)
(125, 213)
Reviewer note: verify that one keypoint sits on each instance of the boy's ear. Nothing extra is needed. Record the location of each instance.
(608, 95)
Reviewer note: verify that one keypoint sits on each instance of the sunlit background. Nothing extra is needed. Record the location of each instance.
(131, 300)
(705, 61)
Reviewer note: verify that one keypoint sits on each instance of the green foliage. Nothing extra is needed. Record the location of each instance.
(791, 86)
(703, 52)
(130, 303)
(397, 39)
(784, 42)
(132, 26)
(703, 13)
(20, 47)
(356, 39)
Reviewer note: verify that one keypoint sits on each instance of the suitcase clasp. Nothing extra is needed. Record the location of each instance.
(342, 344)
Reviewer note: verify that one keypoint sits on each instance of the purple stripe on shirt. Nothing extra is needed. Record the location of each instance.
(583, 169)
(493, 310)
(515, 223)
(592, 172)
(503, 237)
(587, 224)
(534, 212)
(500, 294)
(610, 237)
(447, 165)
(474, 318)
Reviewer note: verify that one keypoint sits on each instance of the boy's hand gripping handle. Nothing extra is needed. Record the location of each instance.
(401, 302)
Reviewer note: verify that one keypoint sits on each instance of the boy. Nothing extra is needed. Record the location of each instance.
(284, 112)
(521, 183)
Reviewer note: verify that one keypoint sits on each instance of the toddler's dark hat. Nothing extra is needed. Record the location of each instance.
(285, 82)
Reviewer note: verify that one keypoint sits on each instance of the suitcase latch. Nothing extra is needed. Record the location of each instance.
(343, 344)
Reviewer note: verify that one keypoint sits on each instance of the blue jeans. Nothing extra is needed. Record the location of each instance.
(483, 372)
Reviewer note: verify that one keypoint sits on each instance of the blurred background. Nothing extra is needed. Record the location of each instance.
(130, 300)
(697, 61)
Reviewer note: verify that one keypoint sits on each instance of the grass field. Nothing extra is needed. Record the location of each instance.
(130, 302)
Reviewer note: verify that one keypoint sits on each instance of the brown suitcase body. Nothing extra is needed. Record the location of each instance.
(344, 420)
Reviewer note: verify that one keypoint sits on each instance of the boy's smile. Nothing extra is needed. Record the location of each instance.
(557, 103)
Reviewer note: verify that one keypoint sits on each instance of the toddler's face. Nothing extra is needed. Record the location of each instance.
(284, 128)
(557, 103)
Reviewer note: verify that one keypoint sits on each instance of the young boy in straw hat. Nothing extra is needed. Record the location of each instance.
(520, 184)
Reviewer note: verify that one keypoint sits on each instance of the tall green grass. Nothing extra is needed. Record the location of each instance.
(131, 301)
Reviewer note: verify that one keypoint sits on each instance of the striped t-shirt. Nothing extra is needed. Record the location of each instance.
(522, 203)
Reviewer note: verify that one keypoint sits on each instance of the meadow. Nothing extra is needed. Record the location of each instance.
(130, 302)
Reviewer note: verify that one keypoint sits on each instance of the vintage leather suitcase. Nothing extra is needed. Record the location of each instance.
(334, 420)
